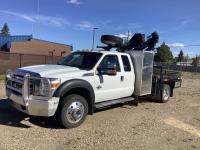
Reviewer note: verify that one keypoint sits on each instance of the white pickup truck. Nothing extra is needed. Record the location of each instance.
(85, 81)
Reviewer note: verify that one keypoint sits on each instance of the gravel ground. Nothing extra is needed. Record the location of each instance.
(121, 127)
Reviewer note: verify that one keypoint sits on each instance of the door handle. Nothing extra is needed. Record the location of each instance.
(122, 78)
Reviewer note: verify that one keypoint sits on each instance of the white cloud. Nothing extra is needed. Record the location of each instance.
(49, 20)
(73, 2)
(19, 15)
(85, 25)
(41, 19)
(186, 53)
(125, 35)
(176, 45)
(184, 22)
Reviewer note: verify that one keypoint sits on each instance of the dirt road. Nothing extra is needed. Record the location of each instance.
(150, 126)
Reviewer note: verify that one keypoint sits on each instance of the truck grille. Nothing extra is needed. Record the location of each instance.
(15, 84)
(28, 87)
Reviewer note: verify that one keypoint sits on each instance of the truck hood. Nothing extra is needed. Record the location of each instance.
(51, 71)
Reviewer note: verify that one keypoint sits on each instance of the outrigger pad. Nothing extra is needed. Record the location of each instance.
(151, 42)
(137, 40)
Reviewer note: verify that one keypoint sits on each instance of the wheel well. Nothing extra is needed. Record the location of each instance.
(82, 92)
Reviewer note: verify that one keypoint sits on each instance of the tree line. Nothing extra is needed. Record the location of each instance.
(164, 54)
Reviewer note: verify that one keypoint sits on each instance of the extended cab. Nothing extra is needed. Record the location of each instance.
(85, 81)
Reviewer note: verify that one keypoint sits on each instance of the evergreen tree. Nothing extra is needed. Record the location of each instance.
(5, 30)
(180, 56)
(163, 54)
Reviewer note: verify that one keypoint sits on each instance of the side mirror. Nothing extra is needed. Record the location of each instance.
(107, 71)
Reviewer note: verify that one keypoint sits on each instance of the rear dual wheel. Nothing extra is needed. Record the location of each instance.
(165, 94)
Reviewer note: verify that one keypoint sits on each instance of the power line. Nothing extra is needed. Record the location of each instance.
(195, 45)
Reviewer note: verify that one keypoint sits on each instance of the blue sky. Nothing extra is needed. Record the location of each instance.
(71, 21)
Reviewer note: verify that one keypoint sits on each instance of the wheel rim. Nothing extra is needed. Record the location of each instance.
(75, 112)
(165, 94)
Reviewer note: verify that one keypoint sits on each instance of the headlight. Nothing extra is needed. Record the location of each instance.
(9, 74)
(40, 87)
(43, 86)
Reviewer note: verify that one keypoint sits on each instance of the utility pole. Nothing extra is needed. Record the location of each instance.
(38, 13)
(93, 37)
(128, 36)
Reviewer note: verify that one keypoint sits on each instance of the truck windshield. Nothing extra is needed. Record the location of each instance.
(82, 60)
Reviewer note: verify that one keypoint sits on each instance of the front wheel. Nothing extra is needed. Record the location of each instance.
(74, 110)
(165, 93)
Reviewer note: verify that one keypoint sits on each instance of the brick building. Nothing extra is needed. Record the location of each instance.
(29, 45)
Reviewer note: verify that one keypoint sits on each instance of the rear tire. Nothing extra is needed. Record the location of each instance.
(74, 110)
(165, 93)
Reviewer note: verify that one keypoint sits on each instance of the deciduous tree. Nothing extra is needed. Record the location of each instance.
(196, 61)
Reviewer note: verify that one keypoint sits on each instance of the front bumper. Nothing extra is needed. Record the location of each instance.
(35, 107)
(18, 90)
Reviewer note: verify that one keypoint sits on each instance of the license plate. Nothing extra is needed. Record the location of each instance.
(177, 84)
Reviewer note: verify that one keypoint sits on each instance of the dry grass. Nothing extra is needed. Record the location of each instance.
(2, 77)
(191, 75)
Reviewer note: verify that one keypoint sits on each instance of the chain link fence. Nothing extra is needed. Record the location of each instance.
(188, 71)
(182, 68)
(14, 60)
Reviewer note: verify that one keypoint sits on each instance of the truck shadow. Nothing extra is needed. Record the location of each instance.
(142, 101)
(11, 117)
(148, 100)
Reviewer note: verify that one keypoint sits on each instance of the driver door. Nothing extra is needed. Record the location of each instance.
(108, 87)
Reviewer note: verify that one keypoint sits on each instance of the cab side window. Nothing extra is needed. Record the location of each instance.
(110, 61)
(126, 63)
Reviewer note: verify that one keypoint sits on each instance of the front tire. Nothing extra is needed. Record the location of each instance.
(165, 93)
(74, 110)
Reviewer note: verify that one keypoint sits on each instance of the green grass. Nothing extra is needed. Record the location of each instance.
(190, 75)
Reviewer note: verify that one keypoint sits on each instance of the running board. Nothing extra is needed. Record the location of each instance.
(112, 102)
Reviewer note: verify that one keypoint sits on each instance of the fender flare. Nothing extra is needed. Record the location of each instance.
(76, 83)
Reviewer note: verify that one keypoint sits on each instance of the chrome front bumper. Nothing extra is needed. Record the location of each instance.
(35, 107)
(27, 103)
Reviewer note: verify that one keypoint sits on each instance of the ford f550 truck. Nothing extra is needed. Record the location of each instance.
(85, 81)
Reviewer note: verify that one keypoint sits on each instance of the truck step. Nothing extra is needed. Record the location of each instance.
(112, 102)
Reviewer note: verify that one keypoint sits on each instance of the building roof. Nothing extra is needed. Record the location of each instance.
(52, 42)
(5, 41)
